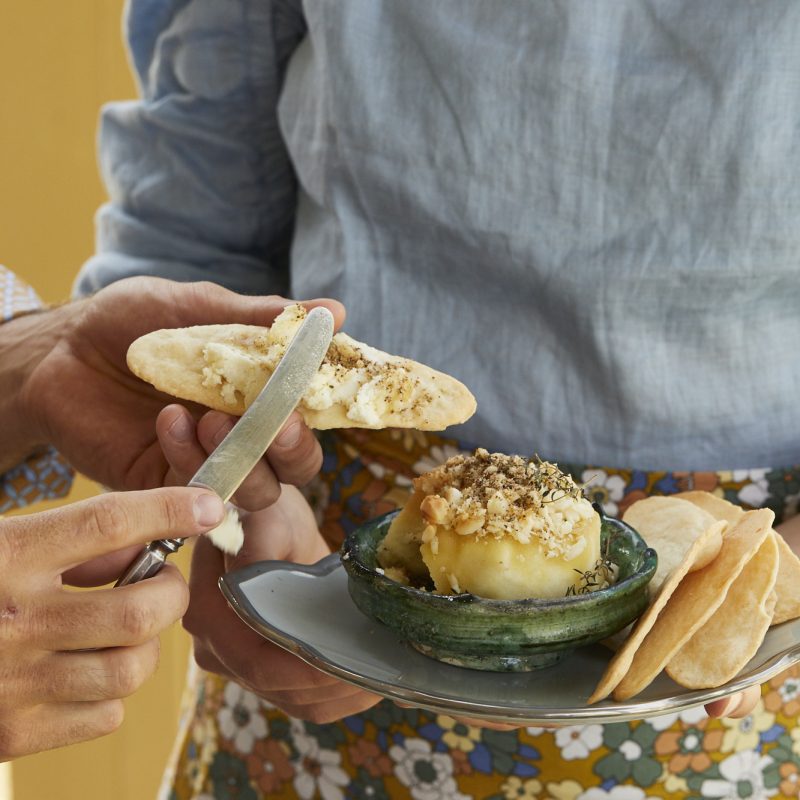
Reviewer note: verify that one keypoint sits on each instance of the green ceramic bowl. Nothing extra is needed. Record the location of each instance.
(500, 635)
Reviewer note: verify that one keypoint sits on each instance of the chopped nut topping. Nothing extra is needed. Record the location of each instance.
(492, 494)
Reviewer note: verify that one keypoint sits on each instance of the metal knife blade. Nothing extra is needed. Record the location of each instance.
(226, 468)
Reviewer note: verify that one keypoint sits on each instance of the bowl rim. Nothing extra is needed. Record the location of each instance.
(348, 554)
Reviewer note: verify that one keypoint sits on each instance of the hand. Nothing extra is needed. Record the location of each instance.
(225, 645)
(283, 528)
(737, 705)
(66, 658)
(69, 385)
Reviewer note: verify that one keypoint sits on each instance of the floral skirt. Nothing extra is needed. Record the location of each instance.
(233, 745)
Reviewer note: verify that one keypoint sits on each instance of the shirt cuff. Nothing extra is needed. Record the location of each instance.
(45, 475)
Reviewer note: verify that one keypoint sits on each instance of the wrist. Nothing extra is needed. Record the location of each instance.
(26, 342)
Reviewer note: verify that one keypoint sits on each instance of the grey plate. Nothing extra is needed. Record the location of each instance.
(308, 611)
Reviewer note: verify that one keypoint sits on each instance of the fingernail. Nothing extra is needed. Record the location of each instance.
(208, 509)
(725, 709)
(222, 432)
(290, 435)
(181, 429)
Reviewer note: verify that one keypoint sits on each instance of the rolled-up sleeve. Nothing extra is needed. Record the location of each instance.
(200, 184)
(44, 475)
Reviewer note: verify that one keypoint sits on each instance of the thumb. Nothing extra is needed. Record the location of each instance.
(73, 534)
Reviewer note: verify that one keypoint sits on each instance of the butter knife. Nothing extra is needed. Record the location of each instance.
(231, 462)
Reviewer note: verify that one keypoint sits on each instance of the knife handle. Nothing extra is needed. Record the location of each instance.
(150, 561)
(153, 557)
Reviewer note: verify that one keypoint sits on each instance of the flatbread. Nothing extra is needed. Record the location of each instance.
(225, 367)
(718, 650)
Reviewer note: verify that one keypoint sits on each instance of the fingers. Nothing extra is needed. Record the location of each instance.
(225, 645)
(123, 616)
(736, 706)
(102, 570)
(210, 619)
(318, 704)
(161, 303)
(261, 487)
(71, 535)
(90, 676)
(178, 435)
(322, 713)
(48, 726)
(270, 535)
(294, 458)
(206, 303)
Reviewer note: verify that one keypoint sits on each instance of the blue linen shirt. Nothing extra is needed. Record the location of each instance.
(587, 210)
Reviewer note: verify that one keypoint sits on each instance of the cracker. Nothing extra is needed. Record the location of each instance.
(718, 507)
(787, 585)
(719, 649)
(693, 602)
(669, 526)
(622, 659)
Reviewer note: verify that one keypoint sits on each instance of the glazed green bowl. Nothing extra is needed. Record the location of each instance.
(500, 635)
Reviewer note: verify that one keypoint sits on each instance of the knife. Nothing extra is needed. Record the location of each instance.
(226, 468)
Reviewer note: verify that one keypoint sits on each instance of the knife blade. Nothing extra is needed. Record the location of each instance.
(248, 440)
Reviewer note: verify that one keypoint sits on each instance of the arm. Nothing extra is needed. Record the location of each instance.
(200, 183)
(29, 471)
(64, 380)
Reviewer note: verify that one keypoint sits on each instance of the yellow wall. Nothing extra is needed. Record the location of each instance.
(59, 61)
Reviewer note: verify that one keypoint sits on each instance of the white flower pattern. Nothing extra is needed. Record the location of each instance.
(605, 489)
(615, 793)
(240, 719)
(318, 771)
(742, 778)
(690, 717)
(428, 775)
(577, 741)
(756, 490)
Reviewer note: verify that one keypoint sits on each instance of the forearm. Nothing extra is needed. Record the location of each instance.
(25, 342)
(201, 186)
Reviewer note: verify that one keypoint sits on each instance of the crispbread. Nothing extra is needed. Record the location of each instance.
(695, 599)
(225, 367)
(718, 507)
(669, 525)
(718, 650)
(787, 584)
(623, 658)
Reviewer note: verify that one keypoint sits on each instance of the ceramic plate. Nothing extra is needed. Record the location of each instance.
(308, 610)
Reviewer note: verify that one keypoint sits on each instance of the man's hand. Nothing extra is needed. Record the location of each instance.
(69, 384)
(223, 644)
(280, 526)
(66, 658)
